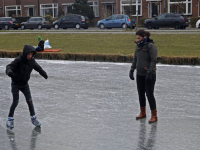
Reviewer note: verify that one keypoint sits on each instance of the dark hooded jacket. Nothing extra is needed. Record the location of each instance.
(41, 45)
(145, 58)
(20, 69)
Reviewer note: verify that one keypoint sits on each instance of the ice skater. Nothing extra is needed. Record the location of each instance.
(144, 61)
(19, 70)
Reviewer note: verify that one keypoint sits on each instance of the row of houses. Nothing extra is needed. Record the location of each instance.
(102, 8)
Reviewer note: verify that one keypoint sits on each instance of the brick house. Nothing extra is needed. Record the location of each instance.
(101, 8)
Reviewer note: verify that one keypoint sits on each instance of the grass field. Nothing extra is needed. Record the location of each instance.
(186, 45)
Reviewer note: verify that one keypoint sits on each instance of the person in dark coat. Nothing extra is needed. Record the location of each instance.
(19, 70)
(145, 59)
(40, 46)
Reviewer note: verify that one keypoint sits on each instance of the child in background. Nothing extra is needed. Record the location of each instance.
(40, 46)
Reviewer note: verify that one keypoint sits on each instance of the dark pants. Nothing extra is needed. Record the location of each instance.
(38, 49)
(15, 92)
(143, 88)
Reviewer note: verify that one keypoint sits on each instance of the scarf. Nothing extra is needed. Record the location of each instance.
(142, 42)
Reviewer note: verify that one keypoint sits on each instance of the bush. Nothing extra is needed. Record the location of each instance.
(193, 21)
(48, 17)
(53, 19)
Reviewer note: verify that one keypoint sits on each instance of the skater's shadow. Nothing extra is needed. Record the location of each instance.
(11, 136)
(149, 143)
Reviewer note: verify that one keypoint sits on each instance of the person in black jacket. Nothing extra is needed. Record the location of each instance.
(19, 70)
(40, 46)
(145, 59)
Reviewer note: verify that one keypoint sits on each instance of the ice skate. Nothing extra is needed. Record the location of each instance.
(10, 123)
(35, 121)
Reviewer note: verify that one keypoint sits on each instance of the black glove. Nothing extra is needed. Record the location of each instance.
(148, 78)
(10, 74)
(45, 76)
(131, 74)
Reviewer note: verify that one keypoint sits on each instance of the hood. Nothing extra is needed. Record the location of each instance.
(150, 40)
(27, 49)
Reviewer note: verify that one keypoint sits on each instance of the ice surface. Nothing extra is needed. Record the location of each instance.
(92, 106)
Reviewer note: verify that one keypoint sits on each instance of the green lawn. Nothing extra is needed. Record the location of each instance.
(123, 44)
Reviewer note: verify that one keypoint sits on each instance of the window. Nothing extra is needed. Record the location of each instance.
(120, 17)
(183, 7)
(67, 8)
(31, 19)
(13, 20)
(162, 16)
(170, 16)
(49, 9)
(111, 17)
(66, 18)
(30, 12)
(12, 11)
(95, 6)
(136, 5)
(38, 19)
(74, 17)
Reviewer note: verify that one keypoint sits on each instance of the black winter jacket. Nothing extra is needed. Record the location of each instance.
(21, 68)
(41, 44)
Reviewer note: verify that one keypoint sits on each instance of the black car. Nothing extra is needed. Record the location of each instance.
(72, 21)
(8, 22)
(167, 20)
(36, 23)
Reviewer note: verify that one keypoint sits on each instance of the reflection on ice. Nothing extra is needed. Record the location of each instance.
(146, 141)
(13, 142)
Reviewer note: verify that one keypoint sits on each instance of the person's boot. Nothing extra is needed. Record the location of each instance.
(142, 113)
(10, 122)
(154, 117)
(35, 121)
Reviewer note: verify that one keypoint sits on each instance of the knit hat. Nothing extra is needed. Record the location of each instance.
(39, 38)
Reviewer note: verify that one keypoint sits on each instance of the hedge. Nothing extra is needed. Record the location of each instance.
(104, 58)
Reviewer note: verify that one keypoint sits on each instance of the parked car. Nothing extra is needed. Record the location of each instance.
(36, 23)
(8, 22)
(198, 24)
(116, 21)
(71, 21)
(167, 20)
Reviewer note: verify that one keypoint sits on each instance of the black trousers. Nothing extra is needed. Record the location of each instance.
(146, 88)
(15, 92)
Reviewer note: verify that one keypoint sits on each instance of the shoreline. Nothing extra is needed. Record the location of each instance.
(104, 58)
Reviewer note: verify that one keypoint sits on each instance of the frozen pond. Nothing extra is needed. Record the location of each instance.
(92, 106)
